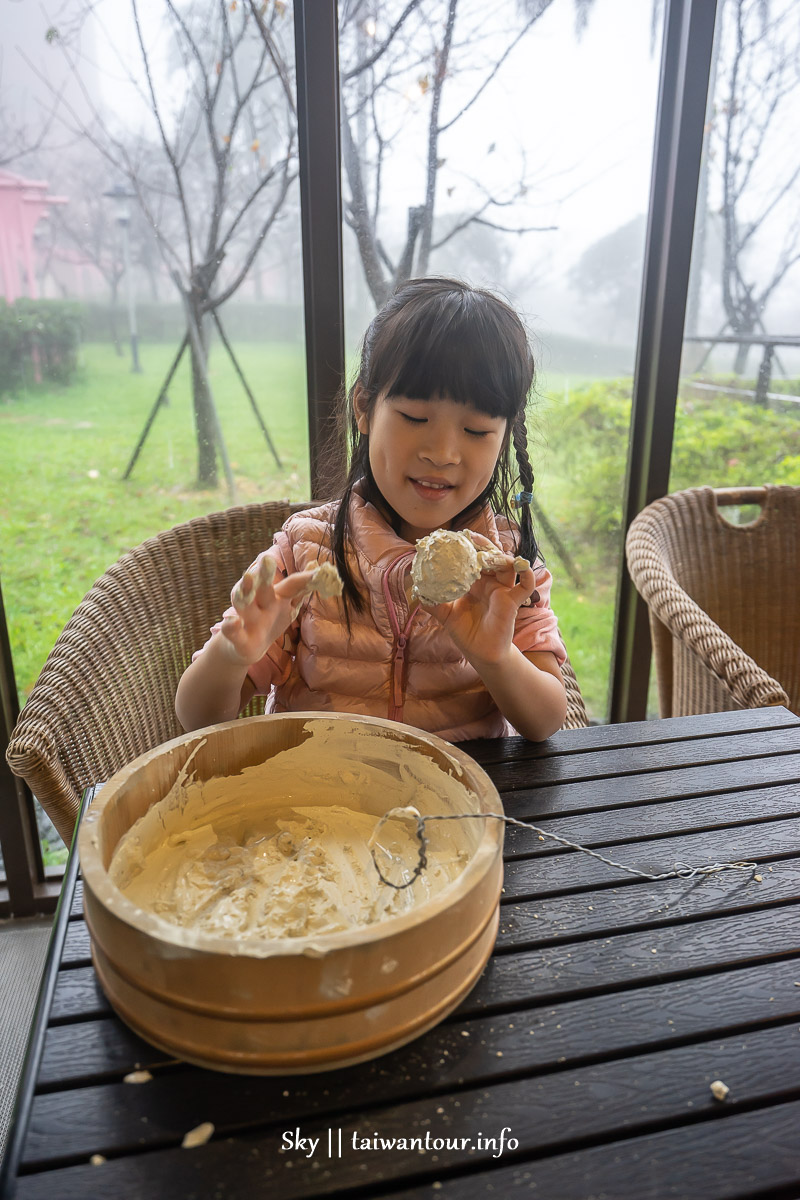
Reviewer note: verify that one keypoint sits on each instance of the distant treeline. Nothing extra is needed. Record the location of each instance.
(260, 321)
(566, 354)
(270, 322)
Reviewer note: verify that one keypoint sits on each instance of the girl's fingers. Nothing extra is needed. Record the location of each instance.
(524, 592)
(234, 638)
(495, 561)
(244, 592)
(256, 583)
(506, 574)
(263, 570)
(291, 587)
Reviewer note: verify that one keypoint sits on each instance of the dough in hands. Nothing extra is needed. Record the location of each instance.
(447, 563)
(445, 567)
(326, 580)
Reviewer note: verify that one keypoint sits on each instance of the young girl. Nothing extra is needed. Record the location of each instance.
(433, 418)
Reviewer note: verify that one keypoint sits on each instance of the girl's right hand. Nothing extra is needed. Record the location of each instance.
(261, 611)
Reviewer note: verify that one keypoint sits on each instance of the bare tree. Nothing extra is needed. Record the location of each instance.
(431, 43)
(758, 89)
(479, 251)
(85, 229)
(227, 162)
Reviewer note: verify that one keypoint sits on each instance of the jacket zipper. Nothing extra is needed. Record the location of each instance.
(395, 607)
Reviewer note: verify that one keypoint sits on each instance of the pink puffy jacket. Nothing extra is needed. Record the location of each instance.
(398, 662)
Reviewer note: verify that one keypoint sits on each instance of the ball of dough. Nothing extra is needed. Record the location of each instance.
(445, 566)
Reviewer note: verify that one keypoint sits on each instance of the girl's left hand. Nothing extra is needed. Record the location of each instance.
(481, 623)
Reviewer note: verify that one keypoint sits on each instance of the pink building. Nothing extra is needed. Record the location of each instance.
(23, 202)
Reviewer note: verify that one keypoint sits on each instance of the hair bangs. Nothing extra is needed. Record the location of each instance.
(463, 349)
(435, 337)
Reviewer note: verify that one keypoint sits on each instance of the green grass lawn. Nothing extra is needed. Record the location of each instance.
(66, 514)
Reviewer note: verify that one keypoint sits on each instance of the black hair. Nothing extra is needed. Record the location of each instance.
(441, 337)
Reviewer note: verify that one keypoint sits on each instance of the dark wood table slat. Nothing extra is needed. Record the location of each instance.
(76, 908)
(552, 871)
(78, 995)
(86, 1051)
(752, 1156)
(645, 1090)
(637, 760)
(591, 1038)
(744, 1156)
(630, 959)
(526, 923)
(470, 1049)
(613, 792)
(493, 751)
(665, 818)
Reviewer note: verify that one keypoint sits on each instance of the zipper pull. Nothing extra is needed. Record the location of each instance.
(397, 671)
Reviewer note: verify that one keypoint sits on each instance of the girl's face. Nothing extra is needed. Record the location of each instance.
(430, 458)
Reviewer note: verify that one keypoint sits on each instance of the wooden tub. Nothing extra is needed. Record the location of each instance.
(281, 1005)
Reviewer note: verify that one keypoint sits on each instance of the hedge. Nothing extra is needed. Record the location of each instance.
(38, 333)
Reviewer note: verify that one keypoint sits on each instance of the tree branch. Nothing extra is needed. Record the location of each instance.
(492, 225)
(216, 301)
(545, 4)
(433, 140)
(384, 46)
(359, 210)
(278, 62)
(164, 139)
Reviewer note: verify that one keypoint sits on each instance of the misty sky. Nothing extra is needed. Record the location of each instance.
(582, 109)
(576, 115)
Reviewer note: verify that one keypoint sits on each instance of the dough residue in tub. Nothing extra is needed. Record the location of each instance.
(282, 848)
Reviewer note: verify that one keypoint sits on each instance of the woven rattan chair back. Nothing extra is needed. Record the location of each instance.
(107, 690)
(723, 598)
(576, 709)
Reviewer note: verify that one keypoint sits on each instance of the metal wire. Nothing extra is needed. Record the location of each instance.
(679, 870)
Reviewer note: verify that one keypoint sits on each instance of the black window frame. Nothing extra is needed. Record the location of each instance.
(689, 27)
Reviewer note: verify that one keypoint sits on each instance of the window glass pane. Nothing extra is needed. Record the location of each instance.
(514, 151)
(149, 184)
(738, 420)
(738, 409)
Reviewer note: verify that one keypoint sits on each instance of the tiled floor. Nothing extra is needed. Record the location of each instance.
(23, 947)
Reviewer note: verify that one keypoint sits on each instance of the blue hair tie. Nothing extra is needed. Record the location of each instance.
(522, 498)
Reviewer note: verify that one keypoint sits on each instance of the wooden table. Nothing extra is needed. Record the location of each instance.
(588, 1045)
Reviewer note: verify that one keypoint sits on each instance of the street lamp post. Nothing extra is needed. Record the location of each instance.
(122, 198)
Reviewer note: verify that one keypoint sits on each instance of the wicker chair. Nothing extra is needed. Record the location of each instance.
(576, 710)
(107, 690)
(723, 599)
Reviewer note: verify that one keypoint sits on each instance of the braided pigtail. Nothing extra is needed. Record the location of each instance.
(527, 541)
